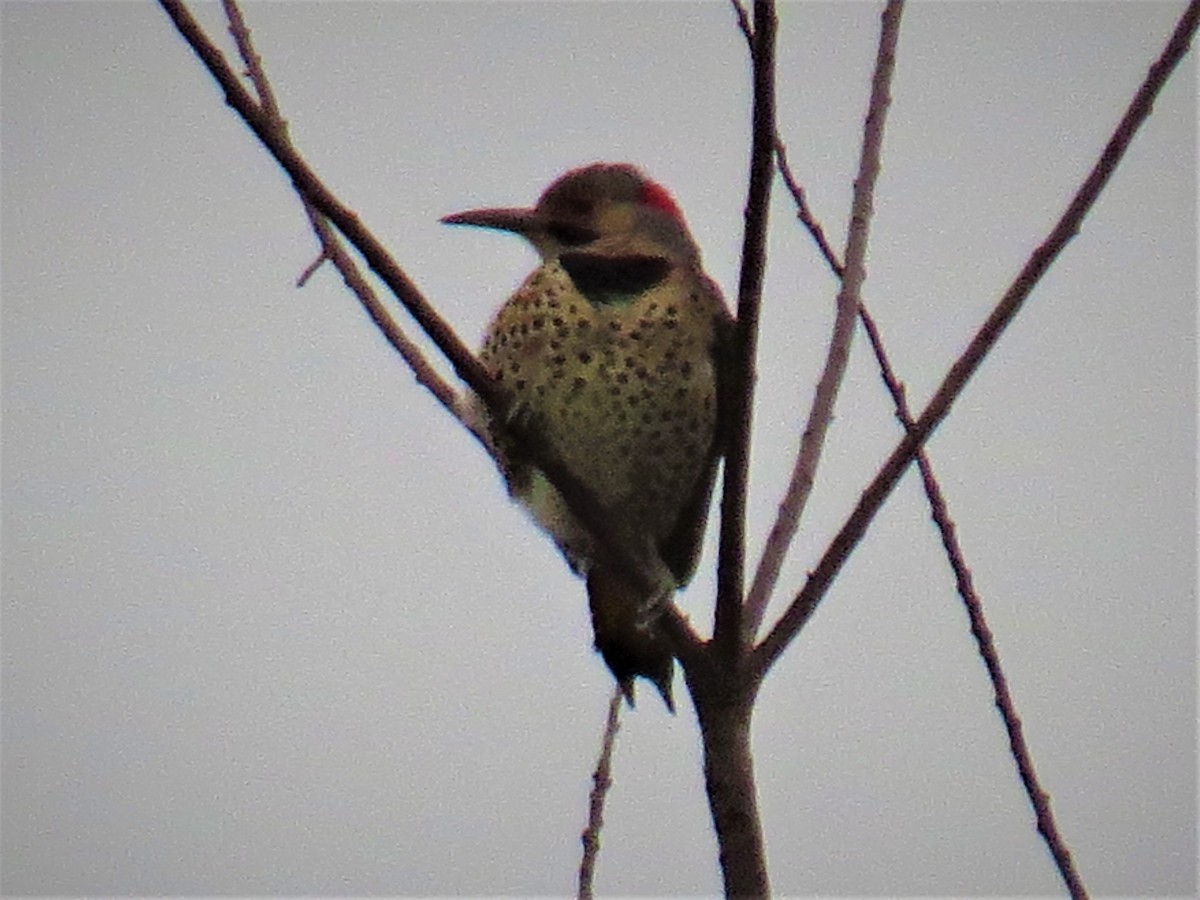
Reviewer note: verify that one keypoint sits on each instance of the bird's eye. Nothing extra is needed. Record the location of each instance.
(571, 235)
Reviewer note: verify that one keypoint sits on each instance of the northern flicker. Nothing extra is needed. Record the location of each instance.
(613, 346)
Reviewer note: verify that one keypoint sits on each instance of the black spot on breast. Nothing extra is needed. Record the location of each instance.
(613, 279)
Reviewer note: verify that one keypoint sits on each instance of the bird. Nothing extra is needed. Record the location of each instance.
(615, 347)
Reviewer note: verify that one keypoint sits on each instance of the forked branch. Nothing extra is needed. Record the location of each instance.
(1067, 227)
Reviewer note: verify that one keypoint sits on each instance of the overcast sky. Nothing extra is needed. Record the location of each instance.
(270, 623)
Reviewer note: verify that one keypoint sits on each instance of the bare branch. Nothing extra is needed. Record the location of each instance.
(1009, 305)
(743, 22)
(254, 67)
(601, 782)
(738, 382)
(718, 679)
(311, 269)
(1038, 797)
(821, 414)
(803, 213)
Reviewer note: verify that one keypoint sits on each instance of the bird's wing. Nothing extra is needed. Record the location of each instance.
(681, 548)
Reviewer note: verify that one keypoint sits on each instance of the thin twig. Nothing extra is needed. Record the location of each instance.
(254, 66)
(803, 213)
(311, 269)
(805, 603)
(738, 386)
(601, 782)
(821, 414)
(743, 22)
(1038, 798)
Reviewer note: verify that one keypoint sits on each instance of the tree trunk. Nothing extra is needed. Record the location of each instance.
(724, 704)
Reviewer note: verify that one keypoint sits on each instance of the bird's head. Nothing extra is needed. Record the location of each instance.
(604, 208)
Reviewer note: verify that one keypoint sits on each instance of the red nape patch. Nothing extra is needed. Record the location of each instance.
(658, 197)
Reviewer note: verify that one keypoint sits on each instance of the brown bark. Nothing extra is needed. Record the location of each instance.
(724, 700)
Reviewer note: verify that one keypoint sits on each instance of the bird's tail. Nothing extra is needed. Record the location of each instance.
(629, 646)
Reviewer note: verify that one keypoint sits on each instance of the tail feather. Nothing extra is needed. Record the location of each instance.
(630, 647)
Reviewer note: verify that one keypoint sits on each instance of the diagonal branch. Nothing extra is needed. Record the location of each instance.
(738, 384)
(743, 23)
(1039, 798)
(1009, 305)
(803, 212)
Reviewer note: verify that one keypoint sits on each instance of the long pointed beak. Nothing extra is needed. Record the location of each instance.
(521, 221)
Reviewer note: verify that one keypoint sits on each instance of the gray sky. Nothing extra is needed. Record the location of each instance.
(270, 623)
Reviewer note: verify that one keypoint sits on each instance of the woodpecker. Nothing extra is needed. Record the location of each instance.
(614, 346)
